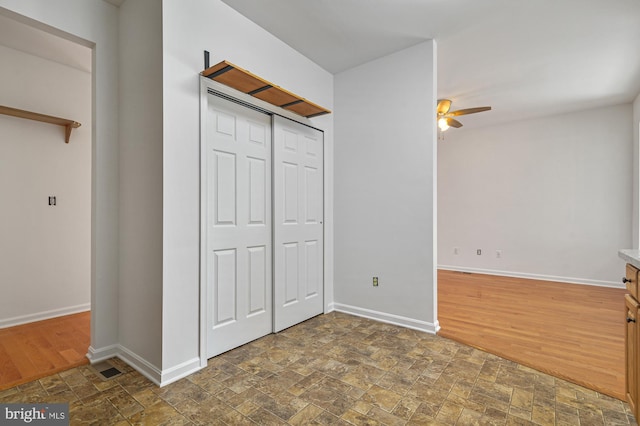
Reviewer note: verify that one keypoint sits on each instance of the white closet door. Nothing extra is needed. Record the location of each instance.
(298, 228)
(238, 230)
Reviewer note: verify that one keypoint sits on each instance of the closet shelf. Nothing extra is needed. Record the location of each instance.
(235, 77)
(67, 124)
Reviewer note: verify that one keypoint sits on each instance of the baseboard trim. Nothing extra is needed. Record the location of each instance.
(41, 316)
(568, 280)
(180, 371)
(330, 308)
(136, 362)
(388, 318)
(140, 364)
(102, 354)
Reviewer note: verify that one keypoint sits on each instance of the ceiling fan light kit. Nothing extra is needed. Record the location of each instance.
(445, 115)
(442, 124)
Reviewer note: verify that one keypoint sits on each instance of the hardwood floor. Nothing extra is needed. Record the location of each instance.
(575, 332)
(32, 351)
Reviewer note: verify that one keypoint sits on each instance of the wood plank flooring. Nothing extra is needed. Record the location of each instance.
(32, 351)
(571, 331)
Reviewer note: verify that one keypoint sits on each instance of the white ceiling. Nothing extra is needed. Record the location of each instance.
(524, 58)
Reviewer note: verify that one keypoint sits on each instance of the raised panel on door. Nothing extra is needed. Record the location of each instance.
(224, 287)
(258, 280)
(258, 181)
(238, 260)
(312, 260)
(224, 184)
(298, 228)
(289, 193)
(313, 189)
(290, 273)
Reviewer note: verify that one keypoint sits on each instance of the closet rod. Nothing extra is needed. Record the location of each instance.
(29, 115)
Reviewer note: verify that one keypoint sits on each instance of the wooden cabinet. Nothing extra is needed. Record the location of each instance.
(632, 354)
(632, 340)
(631, 280)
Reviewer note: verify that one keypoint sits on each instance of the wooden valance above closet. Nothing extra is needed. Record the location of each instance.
(240, 79)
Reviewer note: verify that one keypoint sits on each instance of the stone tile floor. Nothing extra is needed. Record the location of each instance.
(333, 369)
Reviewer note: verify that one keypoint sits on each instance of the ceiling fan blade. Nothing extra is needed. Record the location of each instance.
(452, 122)
(443, 106)
(469, 111)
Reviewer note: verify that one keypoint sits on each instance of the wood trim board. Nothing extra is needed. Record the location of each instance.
(240, 79)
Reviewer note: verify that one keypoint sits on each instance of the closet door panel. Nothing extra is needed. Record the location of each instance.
(298, 229)
(238, 219)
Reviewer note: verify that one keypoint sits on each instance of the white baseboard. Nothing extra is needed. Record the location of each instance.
(102, 354)
(568, 280)
(45, 315)
(142, 366)
(388, 318)
(180, 371)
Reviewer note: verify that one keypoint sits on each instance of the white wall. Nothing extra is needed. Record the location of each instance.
(45, 252)
(189, 28)
(93, 23)
(385, 188)
(140, 113)
(554, 194)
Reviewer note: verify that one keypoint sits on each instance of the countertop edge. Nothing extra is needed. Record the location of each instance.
(631, 256)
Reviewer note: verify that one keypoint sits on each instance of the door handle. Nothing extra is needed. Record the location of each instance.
(630, 320)
(626, 280)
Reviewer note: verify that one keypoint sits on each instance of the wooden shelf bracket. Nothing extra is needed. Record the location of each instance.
(29, 115)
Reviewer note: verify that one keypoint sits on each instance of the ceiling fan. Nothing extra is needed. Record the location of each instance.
(445, 115)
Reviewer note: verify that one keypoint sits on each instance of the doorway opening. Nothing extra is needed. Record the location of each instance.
(45, 185)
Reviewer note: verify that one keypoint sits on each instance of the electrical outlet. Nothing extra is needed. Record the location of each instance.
(52, 200)
(456, 250)
(498, 254)
(375, 281)
(479, 252)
